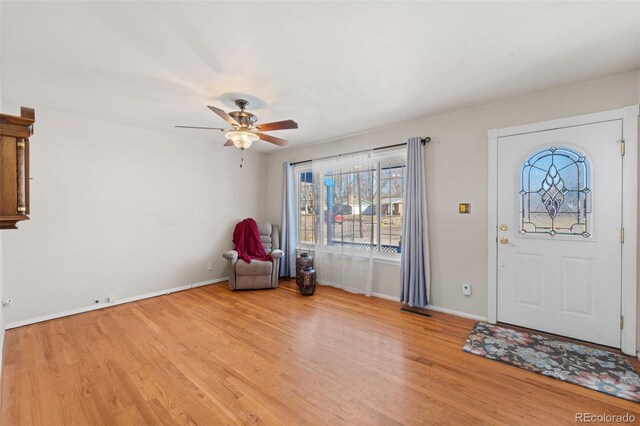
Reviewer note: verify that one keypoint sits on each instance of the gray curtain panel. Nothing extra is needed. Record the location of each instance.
(414, 263)
(288, 232)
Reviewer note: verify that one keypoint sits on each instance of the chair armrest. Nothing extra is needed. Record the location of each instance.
(231, 255)
(276, 254)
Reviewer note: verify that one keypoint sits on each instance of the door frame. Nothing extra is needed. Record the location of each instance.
(629, 117)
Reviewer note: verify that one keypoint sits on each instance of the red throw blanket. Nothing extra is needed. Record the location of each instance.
(247, 240)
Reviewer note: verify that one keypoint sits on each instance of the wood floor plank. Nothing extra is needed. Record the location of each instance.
(210, 356)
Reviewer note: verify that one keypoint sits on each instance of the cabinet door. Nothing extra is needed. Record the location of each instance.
(8, 176)
(14, 167)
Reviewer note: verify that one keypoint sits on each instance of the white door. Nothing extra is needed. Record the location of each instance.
(559, 231)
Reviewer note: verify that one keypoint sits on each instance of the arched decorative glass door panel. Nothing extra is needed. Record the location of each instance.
(555, 193)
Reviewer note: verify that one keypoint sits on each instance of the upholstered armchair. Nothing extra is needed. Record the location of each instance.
(258, 273)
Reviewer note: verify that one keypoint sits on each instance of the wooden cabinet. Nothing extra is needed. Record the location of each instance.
(14, 167)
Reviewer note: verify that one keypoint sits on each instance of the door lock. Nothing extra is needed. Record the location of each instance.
(503, 227)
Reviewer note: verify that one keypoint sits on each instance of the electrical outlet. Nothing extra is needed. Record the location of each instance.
(111, 299)
(6, 303)
(466, 289)
(209, 266)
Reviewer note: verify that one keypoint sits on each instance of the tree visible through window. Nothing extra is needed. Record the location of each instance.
(392, 175)
(306, 208)
(362, 208)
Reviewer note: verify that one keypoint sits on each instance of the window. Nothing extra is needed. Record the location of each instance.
(306, 208)
(392, 175)
(555, 193)
(361, 207)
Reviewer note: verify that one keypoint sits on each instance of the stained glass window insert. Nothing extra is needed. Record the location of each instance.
(555, 193)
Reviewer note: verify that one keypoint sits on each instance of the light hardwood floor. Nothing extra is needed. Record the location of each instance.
(209, 356)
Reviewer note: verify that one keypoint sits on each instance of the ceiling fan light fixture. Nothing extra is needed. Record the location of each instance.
(242, 139)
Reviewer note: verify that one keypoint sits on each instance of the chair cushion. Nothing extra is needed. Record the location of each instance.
(265, 229)
(266, 239)
(256, 267)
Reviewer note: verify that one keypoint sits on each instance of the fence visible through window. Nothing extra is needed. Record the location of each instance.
(359, 207)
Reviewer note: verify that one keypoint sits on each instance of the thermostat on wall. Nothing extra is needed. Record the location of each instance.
(464, 208)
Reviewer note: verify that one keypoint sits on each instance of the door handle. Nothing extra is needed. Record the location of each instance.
(504, 240)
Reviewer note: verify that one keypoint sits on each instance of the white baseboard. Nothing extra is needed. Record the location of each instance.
(109, 304)
(439, 309)
(457, 313)
(386, 296)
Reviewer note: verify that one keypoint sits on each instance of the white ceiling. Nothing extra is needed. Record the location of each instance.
(336, 68)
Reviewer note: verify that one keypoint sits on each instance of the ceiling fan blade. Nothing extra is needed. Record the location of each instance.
(229, 142)
(226, 117)
(198, 127)
(278, 125)
(273, 139)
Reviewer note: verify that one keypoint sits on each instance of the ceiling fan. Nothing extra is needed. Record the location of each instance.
(245, 130)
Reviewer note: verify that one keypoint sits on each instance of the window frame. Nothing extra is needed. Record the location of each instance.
(378, 158)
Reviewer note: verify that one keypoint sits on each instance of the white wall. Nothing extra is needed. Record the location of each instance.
(1, 297)
(122, 211)
(456, 170)
(1, 232)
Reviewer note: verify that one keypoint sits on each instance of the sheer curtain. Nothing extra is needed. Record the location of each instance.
(344, 241)
(288, 221)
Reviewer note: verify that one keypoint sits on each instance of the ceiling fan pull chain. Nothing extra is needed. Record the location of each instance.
(241, 158)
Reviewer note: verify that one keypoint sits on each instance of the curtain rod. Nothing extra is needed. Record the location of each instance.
(423, 140)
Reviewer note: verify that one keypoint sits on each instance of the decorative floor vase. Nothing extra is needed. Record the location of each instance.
(303, 261)
(307, 284)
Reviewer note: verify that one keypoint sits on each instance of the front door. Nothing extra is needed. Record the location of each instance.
(559, 231)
